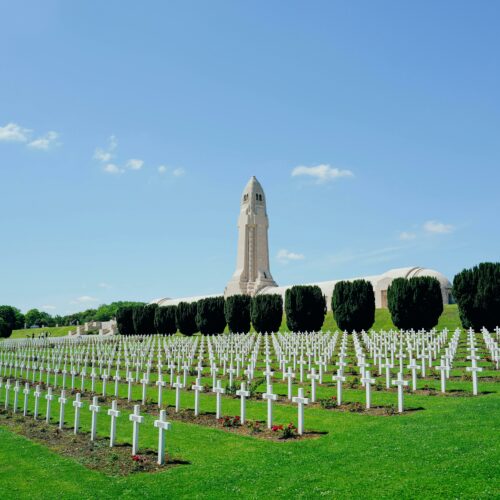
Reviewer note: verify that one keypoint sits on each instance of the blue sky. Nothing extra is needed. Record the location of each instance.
(129, 129)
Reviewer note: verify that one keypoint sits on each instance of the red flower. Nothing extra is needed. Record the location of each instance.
(136, 458)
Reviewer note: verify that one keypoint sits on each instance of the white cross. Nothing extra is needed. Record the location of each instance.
(413, 367)
(400, 383)
(290, 376)
(218, 391)
(160, 383)
(301, 401)
(137, 419)
(144, 382)
(197, 388)
(443, 368)
(387, 365)
(114, 413)
(26, 392)
(17, 389)
(368, 385)
(117, 379)
(129, 380)
(49, 397)
(231, 372)
(301, 364)
(104, 378)
(7, 392)
(339, 378)
(37, 401)
(474, 369)
(77, 404)
(268, 374)
(313, 377)
(178, 386)
(243, 394)
(270, 398)
(162, 426)
(94, 408)
(62, 403)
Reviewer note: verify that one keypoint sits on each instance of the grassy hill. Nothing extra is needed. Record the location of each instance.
(54, 331)
(449, 319)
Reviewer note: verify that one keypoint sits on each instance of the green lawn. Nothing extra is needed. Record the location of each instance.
(449, 449)
(54, 331)
(449, 319)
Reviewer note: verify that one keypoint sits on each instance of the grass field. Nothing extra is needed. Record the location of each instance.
(448, 449)
(54, 331)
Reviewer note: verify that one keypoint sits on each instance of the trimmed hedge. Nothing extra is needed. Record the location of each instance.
(5, 330)
(477, 293)
(305, 308)
(165, 320)
(144, 319)
(185, 318)
(237, 313)
(415, 303)
(125, 321)
(266, 312)
(353, 305)
(210, 317)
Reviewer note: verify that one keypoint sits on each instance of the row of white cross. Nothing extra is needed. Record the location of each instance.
(136, 418)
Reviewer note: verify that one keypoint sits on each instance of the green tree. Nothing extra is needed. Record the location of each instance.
(185, 318)
(415, 303)
(353, 305)
(34, 317)
(8, 314)
(477, 293)
(305, 308)
(266, 312)
(5, 329)
(210, 318)
(237, 313)
(144, 319)
(165, 320)
(125, 320)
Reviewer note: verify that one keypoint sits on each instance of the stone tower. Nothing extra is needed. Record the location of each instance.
(252, 263)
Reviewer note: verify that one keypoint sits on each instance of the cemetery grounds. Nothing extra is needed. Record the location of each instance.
(443, 444)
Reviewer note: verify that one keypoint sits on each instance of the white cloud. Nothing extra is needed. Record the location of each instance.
(178, 172)
(14, 133)
(104, 285)
(85, 299)
(105, 155)
(48, 307)
(322, 173)
(436, 227)
(45, 142)
(284, 256)
(134, 164)
(111, 168)
(405, 235)
(101, 155)
(174, 172)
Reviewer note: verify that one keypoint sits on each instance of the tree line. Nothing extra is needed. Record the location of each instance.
(413, 303)
(11, 318)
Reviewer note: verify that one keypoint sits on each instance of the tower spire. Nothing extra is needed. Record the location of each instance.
(252, 262)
